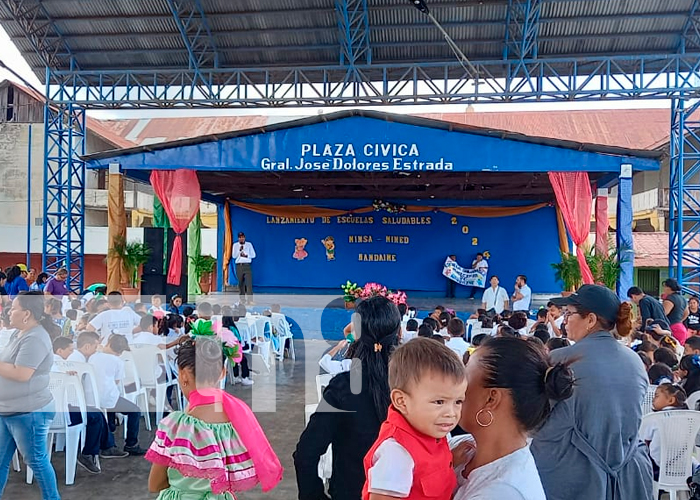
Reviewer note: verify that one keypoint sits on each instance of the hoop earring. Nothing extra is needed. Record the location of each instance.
(479, 421)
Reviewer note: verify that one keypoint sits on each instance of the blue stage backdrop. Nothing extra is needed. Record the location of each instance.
(403, 251)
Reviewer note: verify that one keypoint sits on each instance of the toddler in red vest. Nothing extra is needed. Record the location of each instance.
(411, 457)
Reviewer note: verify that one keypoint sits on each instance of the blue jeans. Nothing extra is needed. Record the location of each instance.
(28, 432)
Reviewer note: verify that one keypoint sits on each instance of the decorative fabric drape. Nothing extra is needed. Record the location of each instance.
(194, 250)
(573, 193)
(160, 219)
(601, 223)
(116, 217)
(228, 242)
(180, 193)
(302, 211)
(561, 230)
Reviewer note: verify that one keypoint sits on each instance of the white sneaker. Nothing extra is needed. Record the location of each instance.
(237, 380)
(247, 381)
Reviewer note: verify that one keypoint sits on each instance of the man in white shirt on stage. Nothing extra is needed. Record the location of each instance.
(522, 295)
(243, 255)
(495, 297)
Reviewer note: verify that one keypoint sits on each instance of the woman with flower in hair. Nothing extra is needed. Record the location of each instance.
(353, 406)
(216, 446)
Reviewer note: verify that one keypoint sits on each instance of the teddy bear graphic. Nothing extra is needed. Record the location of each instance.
(329, 243)
(299, 252)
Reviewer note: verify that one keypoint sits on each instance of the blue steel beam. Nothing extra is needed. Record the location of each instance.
(690, 37)
(191, 22)
(684, 195)
(353, 29)
(41, 32)
(522, 27)
(552, 79)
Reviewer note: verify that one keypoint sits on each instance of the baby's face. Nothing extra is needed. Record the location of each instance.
(434, 405)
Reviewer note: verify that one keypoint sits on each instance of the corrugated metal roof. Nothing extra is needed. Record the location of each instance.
(123, 34)
(641, 129)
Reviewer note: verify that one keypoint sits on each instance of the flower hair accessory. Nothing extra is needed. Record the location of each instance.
(696, 360)
(229, 344)
(377, 347)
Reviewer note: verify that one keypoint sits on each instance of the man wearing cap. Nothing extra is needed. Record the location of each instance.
(243, 255)
(589, 446)
(649, 308)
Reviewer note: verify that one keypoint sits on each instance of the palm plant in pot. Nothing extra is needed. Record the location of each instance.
(567, 271)
(204, 267)
(607, 267)
(132, 255)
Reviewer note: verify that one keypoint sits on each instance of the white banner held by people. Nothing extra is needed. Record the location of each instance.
(462, 275)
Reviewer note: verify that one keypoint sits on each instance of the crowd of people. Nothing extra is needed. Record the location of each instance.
(505, 404)
(430, 408)
(43, 332)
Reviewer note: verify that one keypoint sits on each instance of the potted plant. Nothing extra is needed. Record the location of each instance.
(203, 268)
(351, 292)
(568, 272)
(132, 256)
(606, 268)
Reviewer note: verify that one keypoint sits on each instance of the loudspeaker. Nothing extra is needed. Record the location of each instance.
(181, 290)
(152, 284)
(155, 270)
(153, 238)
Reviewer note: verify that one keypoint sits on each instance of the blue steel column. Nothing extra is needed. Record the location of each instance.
(625, 242)
(684, 195)
(64, 190)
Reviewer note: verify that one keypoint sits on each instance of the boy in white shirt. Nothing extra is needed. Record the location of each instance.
(156, 305)
(411, 449)
(97, 435)
(495, 297)
(118, 319)
(110, 372)
(555, 318)
(149, 333)
(87, 344)
(62, 348)
(456, 341)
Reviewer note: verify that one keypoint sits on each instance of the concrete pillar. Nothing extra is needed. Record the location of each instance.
(220, 248)
(601, 221)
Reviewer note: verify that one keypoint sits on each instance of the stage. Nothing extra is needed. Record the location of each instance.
(325, 316)
(376, 197)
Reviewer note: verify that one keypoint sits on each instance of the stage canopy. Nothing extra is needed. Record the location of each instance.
(365, 154)
(307, 193)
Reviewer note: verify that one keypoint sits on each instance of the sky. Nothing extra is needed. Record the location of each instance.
(14, 60)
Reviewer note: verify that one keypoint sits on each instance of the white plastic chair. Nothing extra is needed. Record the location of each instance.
(676, 430)
(138, 396)
(284, 332)
(88, 378)
(692, 400)
(246, 337)
(647, 404)
(325, 463)
(66, 389)
(150, 364)
(322, 382)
